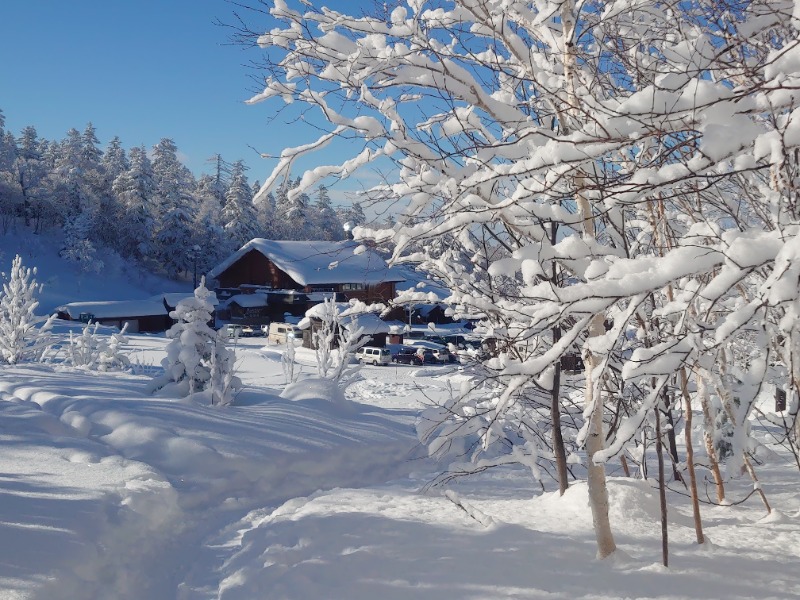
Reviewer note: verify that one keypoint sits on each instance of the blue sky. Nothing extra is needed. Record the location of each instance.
(139, 69)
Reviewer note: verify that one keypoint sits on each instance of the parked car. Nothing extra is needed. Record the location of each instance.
(443, 355)
(234, 331)
(374, 355)
(426, 354)
(280, 333)
(407, 356)
(248, 331)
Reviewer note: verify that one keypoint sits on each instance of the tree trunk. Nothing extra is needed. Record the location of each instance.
(595, 441)
(662, 492)
(673, 446)
(555, 401)
(624, 462)
(724, 392)
(698, 523)
(595, 438)
(558, 439)
(708, 432)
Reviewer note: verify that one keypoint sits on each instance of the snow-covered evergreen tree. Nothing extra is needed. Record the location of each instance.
(327, 222)
(197, 359)
(192, 342)
(30, 174)
(353, 216)
(11, 200)
(23, 335)
(238, 214)
(265, 215)
(110, 219)
(135, 191)
(175, 209)
(115, 160)
(208, 224)
(78, 248)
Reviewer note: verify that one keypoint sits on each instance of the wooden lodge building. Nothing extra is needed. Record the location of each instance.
(266, 279)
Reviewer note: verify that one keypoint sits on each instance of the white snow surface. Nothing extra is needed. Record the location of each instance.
(305, 491)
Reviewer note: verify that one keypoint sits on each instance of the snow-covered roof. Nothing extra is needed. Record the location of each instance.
(318, 262)
(115, 309)
(249, 300)
(172, 299)
(371, 322)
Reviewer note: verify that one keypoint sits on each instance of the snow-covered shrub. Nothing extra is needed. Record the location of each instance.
(288, 362)
(223, 383)
(338, 338)
(21, 337)
(324, 336)
(97, 352)
(111, 356)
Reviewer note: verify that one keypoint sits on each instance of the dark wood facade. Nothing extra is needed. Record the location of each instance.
(255, 269)
(136, 323)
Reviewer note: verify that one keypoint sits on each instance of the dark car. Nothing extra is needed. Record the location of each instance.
(407, 356)
(427, 356)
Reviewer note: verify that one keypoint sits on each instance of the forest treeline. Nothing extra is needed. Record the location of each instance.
(146, 205)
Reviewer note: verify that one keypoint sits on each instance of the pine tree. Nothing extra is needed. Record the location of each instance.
(115, 160)
(208, 224)
(174, 209)
(299, 213)
(265, 215)
(354, 215)
(197, 358)
(327, 222)
(10, 193)
(20, 338)
(238, 214)
(30, 174)
(110, 220)
(78, 248)
(135, 191)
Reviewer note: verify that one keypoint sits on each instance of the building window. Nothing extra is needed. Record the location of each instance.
(349, 287)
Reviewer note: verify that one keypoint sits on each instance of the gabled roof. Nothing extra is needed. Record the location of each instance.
(317, 262)
(116, 309)
(249, 300)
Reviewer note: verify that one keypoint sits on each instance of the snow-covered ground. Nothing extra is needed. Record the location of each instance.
(106, 492)
(304, 492)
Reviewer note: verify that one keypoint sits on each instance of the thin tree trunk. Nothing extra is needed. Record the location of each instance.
(555, 415)
(624, 462)
(725, 395)
(708, 429)
(662, 492)
(687, 399)
(595, 442)
(673, 445)
(595, 439)
(555, 401)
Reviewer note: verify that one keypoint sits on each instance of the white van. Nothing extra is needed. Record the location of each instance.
(279, 333)
(374, 355)
(234, 331)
